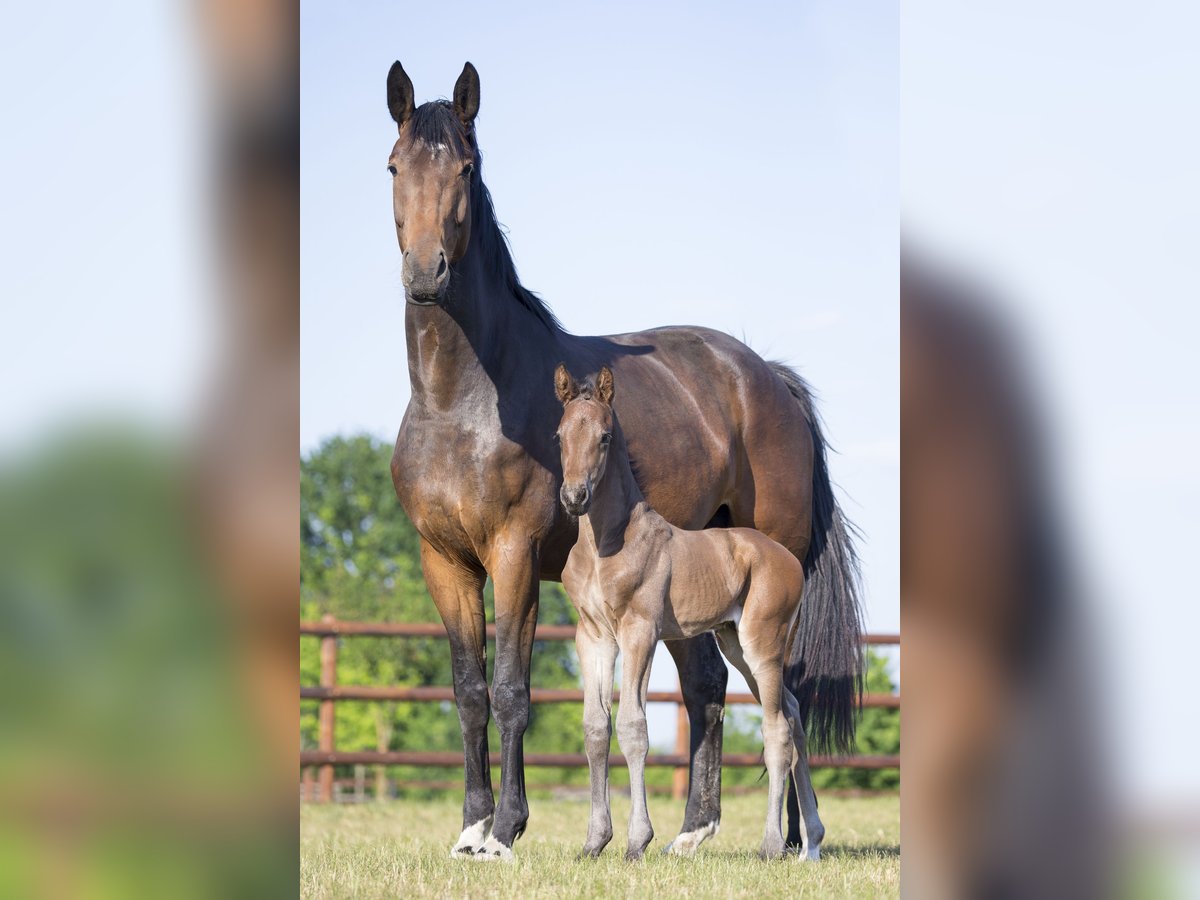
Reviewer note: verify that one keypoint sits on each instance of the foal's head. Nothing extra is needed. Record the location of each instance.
(584, 435)
(432, 164)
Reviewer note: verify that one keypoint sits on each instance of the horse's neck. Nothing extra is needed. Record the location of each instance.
(461, 350)
(618, 509)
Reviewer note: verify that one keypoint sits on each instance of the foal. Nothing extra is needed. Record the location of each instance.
(636, 579)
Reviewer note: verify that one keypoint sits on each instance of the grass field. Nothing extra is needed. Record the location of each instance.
(399, 849)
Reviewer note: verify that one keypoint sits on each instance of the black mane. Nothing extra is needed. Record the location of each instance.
(436, 123)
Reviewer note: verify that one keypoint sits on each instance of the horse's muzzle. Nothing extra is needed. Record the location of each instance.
(425, 285)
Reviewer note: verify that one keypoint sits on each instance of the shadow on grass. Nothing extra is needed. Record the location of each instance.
(861, 852)
(869, 851)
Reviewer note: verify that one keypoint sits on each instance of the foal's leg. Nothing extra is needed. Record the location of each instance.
(597, 659)
(775, 732)
(458, 595)
(637, 651)
(702, 678)
(758, 653)
(812, 832)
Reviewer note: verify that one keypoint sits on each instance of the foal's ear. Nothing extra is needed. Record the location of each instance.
(466, 96)
(400, 94)
(604, 386)
(564, 385)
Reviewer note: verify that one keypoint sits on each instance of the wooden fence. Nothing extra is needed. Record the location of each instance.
(326, 756)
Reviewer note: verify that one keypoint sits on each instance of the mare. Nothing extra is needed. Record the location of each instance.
(719, 437)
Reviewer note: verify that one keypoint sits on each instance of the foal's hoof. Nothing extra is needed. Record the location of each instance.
(771, 851)
(493, 851)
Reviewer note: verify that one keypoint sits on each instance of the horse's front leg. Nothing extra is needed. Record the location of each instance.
(702, 678)
(637, 652)
(458, 595)
(514, 572)
(597, 660)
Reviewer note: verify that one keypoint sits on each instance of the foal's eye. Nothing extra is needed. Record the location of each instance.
(392, 170)
(605, 440)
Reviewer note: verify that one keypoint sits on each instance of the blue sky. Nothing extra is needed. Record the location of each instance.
(681, 164)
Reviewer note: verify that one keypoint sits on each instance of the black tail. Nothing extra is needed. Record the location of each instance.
(825, 656)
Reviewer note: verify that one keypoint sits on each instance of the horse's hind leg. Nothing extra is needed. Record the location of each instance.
(637, 651)
(597, 659)
(458, 596)
(702, 677)
(812, 832)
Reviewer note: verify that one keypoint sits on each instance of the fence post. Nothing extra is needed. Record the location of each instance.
(325, 720)
(683, 728)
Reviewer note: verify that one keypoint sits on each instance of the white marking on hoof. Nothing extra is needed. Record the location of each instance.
(687, 841)
(493, 851)
(471, 839)
(808, 853)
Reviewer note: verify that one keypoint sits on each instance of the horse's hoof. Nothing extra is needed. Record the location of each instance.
(588, 853)
(632, 855)
(806, 854)
(471, 840)
(493, 851)
(686, 842)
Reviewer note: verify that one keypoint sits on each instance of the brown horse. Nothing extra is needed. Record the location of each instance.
(718, 436)
(635, 580)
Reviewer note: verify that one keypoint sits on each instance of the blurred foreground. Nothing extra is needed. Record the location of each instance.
(148, 467)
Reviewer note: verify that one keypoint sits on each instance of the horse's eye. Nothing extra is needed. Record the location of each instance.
(468, 169)
(392, 170)
(554, 437)
(605, 440)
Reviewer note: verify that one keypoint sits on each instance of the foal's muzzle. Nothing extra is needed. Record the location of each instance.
(576, 498)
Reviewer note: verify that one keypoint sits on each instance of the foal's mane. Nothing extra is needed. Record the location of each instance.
(436, 123)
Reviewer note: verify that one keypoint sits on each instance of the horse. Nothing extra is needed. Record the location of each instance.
(719, 436)
(635, 580)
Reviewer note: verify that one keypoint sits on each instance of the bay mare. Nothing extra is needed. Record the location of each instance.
(635, 580)
(718, 437)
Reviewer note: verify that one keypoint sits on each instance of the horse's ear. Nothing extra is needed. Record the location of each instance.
(564, 385)
(400, 94)
(466, 96)
(604, 386)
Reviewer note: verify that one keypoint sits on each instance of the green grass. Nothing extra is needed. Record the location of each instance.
(399, 849)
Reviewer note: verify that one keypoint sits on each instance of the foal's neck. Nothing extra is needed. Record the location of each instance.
(618, 505)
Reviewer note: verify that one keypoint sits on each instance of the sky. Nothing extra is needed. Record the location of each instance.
(654, 164)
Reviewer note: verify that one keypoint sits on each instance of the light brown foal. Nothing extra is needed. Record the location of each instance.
(636, 579)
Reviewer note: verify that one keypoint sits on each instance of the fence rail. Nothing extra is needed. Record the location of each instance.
(328, 692)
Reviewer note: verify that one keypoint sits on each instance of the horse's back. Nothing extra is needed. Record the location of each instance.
(710, 424)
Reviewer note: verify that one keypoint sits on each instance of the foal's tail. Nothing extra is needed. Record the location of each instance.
(824, 667)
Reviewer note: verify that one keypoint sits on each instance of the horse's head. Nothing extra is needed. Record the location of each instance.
(584, 436)
(432, 165)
